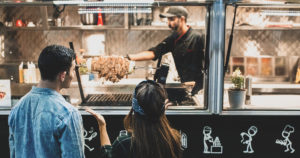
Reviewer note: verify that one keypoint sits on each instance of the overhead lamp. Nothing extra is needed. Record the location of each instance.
(113, 10)
(108, 3)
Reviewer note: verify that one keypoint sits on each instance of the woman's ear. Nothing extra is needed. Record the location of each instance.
(62, 76)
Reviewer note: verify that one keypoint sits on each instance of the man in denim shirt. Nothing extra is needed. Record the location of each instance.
(43, 124)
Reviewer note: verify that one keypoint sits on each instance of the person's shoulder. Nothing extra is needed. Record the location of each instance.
(70, 107)
(196, 33)
(60, 104)
(66, 109)
(19, 104)
(66, 115)
(60, 108)
(123, 140)
(27, 97)
(22, 108)
(121, 146)
(126, 138)
(197, 36)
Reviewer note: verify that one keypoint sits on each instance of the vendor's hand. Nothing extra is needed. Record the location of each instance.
(191, 83)
(100, 119)
(127, 57)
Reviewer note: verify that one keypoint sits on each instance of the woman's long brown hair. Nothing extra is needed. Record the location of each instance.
(152, 135)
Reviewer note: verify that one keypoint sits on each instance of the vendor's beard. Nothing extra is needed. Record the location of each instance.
(173, 28)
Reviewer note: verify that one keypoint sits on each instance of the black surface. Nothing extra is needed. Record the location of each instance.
(227, 128)
(4, 131)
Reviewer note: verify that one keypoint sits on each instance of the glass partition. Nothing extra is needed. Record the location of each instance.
(97, 31)
(265, 50)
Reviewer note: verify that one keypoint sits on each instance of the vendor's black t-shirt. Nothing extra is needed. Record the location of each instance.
(188, 54)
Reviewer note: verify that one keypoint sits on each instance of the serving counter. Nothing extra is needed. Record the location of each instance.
(193, 121)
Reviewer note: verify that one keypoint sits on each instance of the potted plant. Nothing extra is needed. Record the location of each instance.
(237, 93)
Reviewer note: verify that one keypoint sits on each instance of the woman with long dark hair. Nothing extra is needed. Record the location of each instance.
(149, 132)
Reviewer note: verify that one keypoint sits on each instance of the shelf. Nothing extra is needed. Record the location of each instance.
(160, 28)
(95, 27)
(22, 3)
(150, 3)
(85, 27)
(78, 27)
(104, 4)
(271, 4)
(263, 28)
(24, 28)
(148, 27)
(139, 28)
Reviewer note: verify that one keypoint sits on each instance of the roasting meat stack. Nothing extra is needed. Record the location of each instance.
(112, 68)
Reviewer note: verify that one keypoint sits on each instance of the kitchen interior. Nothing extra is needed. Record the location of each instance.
(265, 47)
(26, 30)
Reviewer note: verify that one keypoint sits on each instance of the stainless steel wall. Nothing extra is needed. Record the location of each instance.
(26, 44)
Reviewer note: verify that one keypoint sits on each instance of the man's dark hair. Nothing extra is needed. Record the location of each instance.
(53, 60)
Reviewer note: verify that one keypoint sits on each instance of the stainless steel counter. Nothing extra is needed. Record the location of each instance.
(125, 86)
(268, 98)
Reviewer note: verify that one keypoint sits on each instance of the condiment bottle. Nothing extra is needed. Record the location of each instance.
(21, 76)
(26, 74)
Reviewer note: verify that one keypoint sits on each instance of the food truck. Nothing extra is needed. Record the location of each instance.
(255, 41)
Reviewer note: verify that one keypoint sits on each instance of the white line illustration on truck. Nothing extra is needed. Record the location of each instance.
(288, 129)
(183, 140)
(91, 137)
(247, 139)
(211, 146)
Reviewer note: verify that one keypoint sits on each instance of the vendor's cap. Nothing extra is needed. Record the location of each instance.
(175, 11)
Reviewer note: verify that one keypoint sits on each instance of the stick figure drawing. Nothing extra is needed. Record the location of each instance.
(247, 139)
(288, 129)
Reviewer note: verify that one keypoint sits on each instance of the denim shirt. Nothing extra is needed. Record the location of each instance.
(44, 125)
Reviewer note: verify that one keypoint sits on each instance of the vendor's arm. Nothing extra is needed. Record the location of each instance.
(153, 53)
(145, 55)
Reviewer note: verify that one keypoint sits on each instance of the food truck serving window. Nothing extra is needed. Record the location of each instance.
(264, 59)
(106, 41)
